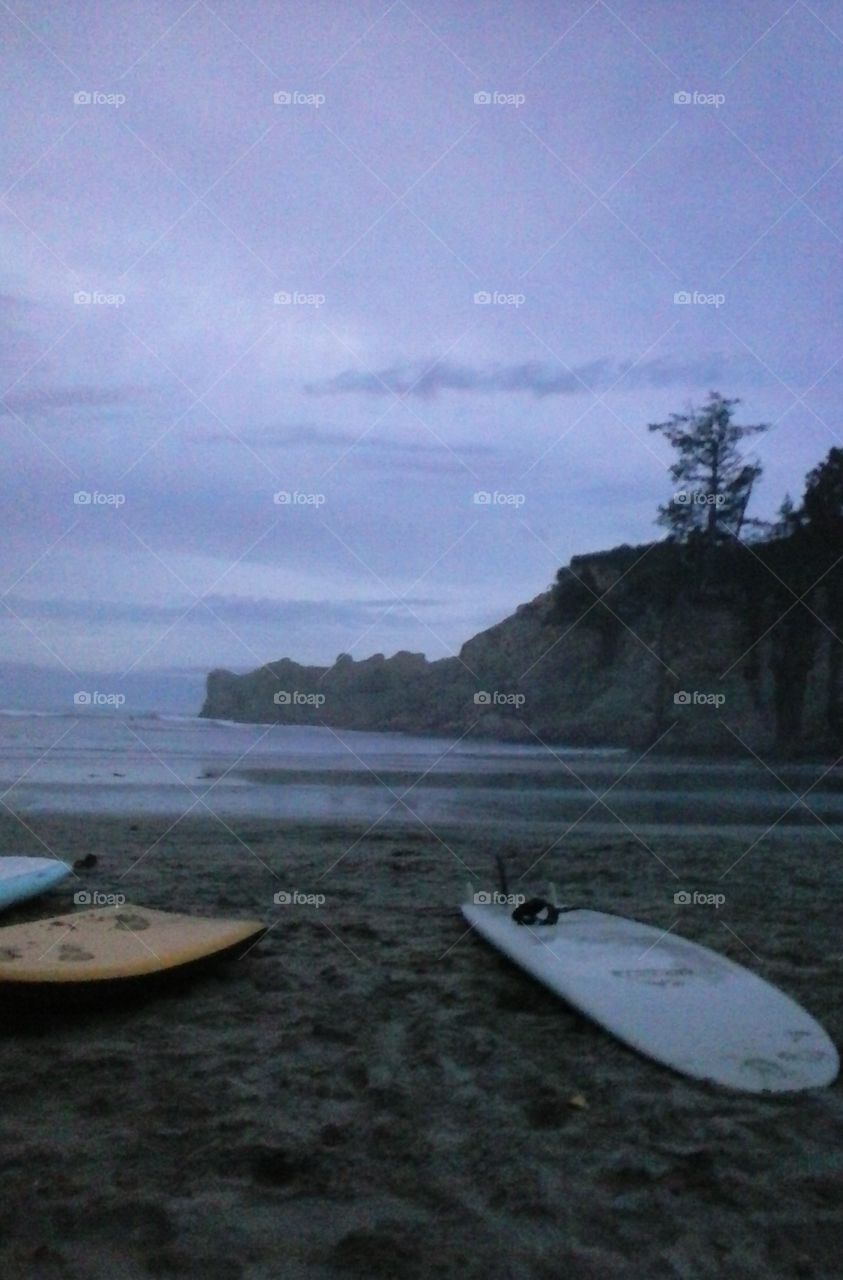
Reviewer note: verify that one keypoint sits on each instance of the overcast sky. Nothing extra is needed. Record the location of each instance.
(242, 250)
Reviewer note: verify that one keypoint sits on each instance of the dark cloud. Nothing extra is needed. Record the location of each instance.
(536, 377)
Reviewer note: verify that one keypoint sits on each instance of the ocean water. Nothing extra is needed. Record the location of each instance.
(123, 764)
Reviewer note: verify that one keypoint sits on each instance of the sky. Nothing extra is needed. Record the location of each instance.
(285, 287)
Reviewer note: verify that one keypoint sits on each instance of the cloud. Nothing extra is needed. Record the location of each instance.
(13, 302)
(18, 348)
(234, 609)
(308, 437)
(46, 399)
(362, 450)
(535, 377)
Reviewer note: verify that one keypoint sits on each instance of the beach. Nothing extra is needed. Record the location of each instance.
(422, 483)
(371, 1091)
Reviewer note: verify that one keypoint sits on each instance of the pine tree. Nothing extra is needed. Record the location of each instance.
(714, 482)
(822, 506)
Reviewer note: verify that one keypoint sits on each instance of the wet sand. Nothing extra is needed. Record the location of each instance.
(371, 1092)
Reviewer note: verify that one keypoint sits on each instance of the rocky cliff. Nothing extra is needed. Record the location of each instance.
(638, 647)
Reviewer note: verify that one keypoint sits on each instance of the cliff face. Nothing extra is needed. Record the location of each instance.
(635, 647)
(405, 692)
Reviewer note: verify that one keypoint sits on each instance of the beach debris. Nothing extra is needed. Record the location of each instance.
(86, 863)
(577, 1100)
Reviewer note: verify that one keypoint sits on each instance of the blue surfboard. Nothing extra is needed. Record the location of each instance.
(22, 878)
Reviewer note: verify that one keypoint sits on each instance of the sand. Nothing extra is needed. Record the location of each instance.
(371, 1093)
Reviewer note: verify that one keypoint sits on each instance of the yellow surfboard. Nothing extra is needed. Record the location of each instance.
(113, 945)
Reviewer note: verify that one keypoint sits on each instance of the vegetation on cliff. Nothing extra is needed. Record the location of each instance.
(724, 637)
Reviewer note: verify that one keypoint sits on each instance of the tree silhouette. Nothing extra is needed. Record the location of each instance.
(714, 482)
(822, 505)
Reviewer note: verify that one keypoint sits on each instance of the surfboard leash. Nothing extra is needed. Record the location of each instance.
(530, 912)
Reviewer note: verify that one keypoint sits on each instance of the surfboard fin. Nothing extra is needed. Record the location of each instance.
(503, 882)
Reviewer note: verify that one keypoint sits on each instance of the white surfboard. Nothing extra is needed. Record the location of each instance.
(22, 878)
(679, 1003)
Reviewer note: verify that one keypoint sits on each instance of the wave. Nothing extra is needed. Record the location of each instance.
(15, 713)
(92, 713)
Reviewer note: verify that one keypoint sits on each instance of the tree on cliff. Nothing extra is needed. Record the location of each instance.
(789, 520)
(714, 482)
(822, 505)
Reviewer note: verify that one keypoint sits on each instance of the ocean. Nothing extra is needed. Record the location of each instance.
(119, 764)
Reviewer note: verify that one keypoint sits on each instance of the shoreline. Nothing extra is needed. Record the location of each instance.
(489, 829)
(725, 754)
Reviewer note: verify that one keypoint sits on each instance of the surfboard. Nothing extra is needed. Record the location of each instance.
(106, 948)
(673, 1000)
(22, 878)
